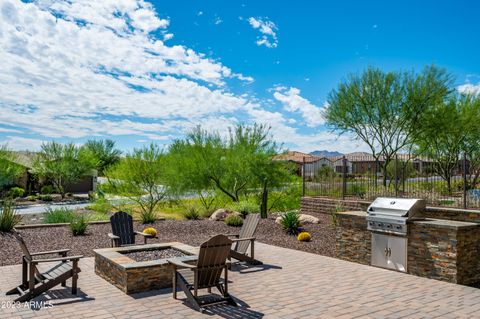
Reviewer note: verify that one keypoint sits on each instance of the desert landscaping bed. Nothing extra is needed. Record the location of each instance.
(191, 232)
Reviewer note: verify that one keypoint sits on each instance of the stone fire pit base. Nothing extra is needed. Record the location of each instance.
(131, 276)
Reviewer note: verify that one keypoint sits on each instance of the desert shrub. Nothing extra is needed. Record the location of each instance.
(8, 217)
(46, 189)
(58, 215)
(98, 217)
(100, 205)
(79, 225)
(304, 236)
(31, 198)
(285, 200)
(357, 189)
(148, 217)
(191, 213)
(151, 231)
(334, 217)
(46, 198)
(290, 222)
(234, 220)
(16, 192)
(246, 207)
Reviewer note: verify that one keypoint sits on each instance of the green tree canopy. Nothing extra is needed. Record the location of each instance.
(9, 170)
(61, 164)
(233, 165)
(385, 109)
(141, 177)
(102, 153)
(449, 130)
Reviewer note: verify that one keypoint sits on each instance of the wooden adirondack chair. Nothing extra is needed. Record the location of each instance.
(122, 230)
(34, 282)
(212, 260)
(244, 239)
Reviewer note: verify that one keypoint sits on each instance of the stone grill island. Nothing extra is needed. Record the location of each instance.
(118, 266)
(442, 249)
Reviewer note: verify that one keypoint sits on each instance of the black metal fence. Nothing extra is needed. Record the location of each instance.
(367, 178)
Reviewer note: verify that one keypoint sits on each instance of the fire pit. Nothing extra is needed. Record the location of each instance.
(141, 268)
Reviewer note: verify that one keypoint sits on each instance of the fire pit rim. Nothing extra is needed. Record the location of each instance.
(117, 254)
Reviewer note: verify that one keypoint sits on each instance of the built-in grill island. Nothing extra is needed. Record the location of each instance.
(387, 219)
(395, 233)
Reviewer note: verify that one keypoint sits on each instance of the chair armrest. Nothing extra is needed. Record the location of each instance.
(144, 235)
(232, 235)
(180, 264)
(37, 261)
(243, 239)
(59, 251)
(112, 236)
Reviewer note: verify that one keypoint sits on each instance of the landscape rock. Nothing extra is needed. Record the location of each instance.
(308, 219)
(222, 213)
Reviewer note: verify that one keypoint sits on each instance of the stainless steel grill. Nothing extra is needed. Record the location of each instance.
(390, 215)
(387, 219)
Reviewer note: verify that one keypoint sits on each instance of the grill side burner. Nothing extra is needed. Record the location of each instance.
(387, 219)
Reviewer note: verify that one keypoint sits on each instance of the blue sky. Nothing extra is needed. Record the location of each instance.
(138, 71)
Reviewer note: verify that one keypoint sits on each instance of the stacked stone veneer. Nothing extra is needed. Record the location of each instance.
(352, 240)
(323, 205)
(439, 249)
(131, 276)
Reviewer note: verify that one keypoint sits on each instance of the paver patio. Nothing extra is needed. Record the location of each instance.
(291, 284)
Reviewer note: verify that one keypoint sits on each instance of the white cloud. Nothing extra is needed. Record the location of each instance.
(267, 29)
(18, 143)
(469, 88)
(217, 21)
(293, 102)
(78, 69)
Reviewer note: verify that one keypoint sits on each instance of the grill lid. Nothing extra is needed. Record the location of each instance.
(396, 207)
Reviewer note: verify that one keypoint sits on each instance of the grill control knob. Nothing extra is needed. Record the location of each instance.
(379, 224)
(370, 223)
(399, 227)
(389, 226)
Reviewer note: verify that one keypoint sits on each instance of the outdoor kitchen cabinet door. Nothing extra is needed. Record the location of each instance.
(389, 252)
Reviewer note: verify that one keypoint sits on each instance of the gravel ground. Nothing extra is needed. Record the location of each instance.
(192, 232)
(148, 255)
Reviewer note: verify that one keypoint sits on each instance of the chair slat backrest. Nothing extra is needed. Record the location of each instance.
(22, 244)
(248, 230)
(211, 261)
(122, 226)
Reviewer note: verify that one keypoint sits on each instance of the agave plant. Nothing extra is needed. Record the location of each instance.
(8, 217)
(291, 223)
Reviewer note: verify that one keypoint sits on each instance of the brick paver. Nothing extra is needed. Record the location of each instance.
(291, 284)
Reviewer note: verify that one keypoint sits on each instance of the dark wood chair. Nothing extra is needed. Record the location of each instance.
(122, 230)
(244, 239)
(34, 282)
(205, 274)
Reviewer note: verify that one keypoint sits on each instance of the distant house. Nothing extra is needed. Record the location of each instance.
(363, 162)
(31, 183)
(305, 162)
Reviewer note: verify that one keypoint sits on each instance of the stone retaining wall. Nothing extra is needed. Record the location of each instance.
(352, 240)
(323, 205)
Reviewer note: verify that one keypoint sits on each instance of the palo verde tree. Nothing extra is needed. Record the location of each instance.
(9, 170)
(103, 153)
(233, 166)
(385, 109)
(140, 177)
(451, 129)
(61, 164)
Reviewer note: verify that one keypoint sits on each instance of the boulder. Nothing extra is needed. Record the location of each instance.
(308, 219)
(221, 214)
(278, 220)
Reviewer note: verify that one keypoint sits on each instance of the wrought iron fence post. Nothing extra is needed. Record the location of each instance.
(303, 177)
(464, 168)
(395, 166)
(344, 176)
